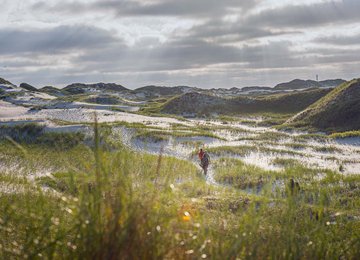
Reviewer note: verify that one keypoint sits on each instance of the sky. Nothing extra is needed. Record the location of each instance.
(199, 43)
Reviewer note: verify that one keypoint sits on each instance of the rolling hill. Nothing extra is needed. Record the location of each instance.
(337, 111)
(28, 87)
(81, 88)
(303, 84)
(5, 82)
(200, 104)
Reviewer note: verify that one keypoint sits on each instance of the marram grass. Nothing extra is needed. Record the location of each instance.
(118, 204)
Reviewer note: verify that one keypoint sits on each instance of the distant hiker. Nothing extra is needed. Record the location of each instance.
(204, 160)
(201, 154)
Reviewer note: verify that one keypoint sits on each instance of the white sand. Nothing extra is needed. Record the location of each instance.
(8, 110)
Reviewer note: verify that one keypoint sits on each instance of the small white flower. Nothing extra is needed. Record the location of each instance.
(189, 252)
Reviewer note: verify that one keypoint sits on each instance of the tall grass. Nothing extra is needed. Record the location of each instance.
(118, 204)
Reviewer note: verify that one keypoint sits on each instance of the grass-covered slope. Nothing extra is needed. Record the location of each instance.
(281, 103)
(28, 87)
(5, 82)
(303, 84)
(199, 104)
(337, 111)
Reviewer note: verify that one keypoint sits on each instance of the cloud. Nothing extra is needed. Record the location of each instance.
(55, 40)
(189, 8)
(341, 40)
(304, 16)
(209, 43)
(233, 31)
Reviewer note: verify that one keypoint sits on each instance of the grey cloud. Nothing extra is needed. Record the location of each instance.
(187, 54)
(192, 8)
(302, 16)
(55, 40)
(233, 31)
(340, 40)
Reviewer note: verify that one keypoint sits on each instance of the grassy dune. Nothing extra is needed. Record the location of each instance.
(104, 201)
(337, 111)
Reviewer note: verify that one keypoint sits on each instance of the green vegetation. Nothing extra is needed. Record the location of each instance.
(94, 202)
(227, 172)
(267, 136)
(345, 134)
(327, 149)
(309, 137)
(62, 140)
(244, 150)
(286, 163)
(34, 133)
(26, 132)
(206, 105)
(337, 111)
(157, 136)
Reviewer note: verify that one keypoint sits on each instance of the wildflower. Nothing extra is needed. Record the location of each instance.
(244, 234)
(63, 198)
(203, 256)
(189, 252)
(158, 228)
(186, 217)
(87, 222)
(75, 199)
(182, 243)
(68, 210)
(148, 233)
(197, 225)
(172, 186)
(36, 241)
(310, 243)
(328, 223)
(55, 221)
(194, 237)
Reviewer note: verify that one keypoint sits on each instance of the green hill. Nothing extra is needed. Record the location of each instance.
(28, 87)
(304, 84)
(337, 111)
(5, 82)
(200, 104)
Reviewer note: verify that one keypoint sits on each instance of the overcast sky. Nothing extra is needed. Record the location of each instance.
(202, 43)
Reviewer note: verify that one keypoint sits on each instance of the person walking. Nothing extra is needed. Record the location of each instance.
(204, 160)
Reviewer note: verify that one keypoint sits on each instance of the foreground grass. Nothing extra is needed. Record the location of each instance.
(107, 202)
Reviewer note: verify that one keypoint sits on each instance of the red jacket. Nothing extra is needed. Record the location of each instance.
(201, 154)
